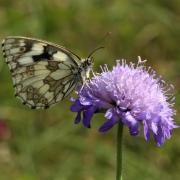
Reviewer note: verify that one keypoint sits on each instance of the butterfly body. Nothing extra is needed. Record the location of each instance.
(43, 73)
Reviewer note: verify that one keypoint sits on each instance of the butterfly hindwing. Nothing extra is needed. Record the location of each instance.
(43, 73)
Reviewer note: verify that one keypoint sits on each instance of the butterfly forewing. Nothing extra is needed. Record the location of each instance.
(43, 73)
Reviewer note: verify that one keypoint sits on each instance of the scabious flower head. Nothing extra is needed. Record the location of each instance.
(130, 94)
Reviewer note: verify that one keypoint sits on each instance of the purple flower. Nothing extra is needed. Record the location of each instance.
(130, 94)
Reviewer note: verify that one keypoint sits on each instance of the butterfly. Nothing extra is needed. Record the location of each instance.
(44, 73)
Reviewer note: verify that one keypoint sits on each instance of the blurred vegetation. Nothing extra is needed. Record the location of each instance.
(46, 145)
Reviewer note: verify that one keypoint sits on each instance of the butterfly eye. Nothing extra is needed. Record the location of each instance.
(90, 61)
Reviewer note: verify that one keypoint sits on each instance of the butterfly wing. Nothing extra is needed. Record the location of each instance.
(43, 73)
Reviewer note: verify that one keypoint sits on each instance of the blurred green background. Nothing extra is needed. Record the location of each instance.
(46, 145)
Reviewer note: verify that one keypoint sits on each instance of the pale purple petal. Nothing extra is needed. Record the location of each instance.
(146, 131)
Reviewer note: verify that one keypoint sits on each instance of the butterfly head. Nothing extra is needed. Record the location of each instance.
(86, 67)
(89, 62)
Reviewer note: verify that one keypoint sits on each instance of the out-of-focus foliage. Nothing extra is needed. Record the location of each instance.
(46, 144)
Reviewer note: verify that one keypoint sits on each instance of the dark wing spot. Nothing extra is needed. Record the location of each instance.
(28, 46)
(47, 54)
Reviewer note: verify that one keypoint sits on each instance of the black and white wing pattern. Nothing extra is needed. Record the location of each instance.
(43, 73)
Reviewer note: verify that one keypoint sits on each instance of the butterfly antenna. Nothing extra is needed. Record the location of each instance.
(92, 52)
(108, 34)
(100, 42)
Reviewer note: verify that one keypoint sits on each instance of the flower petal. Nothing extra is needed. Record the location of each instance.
(112, 117)
(159, 138)
(85, 101)
(107, 125)
(146, 131)
(78, 118)
(76, 107)
(109, 113)
(131, 122)
(87, 116)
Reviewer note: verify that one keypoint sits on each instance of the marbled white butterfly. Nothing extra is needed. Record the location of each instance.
(43, 73)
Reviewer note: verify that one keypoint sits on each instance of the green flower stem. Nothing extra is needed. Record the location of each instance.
(119, 152)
